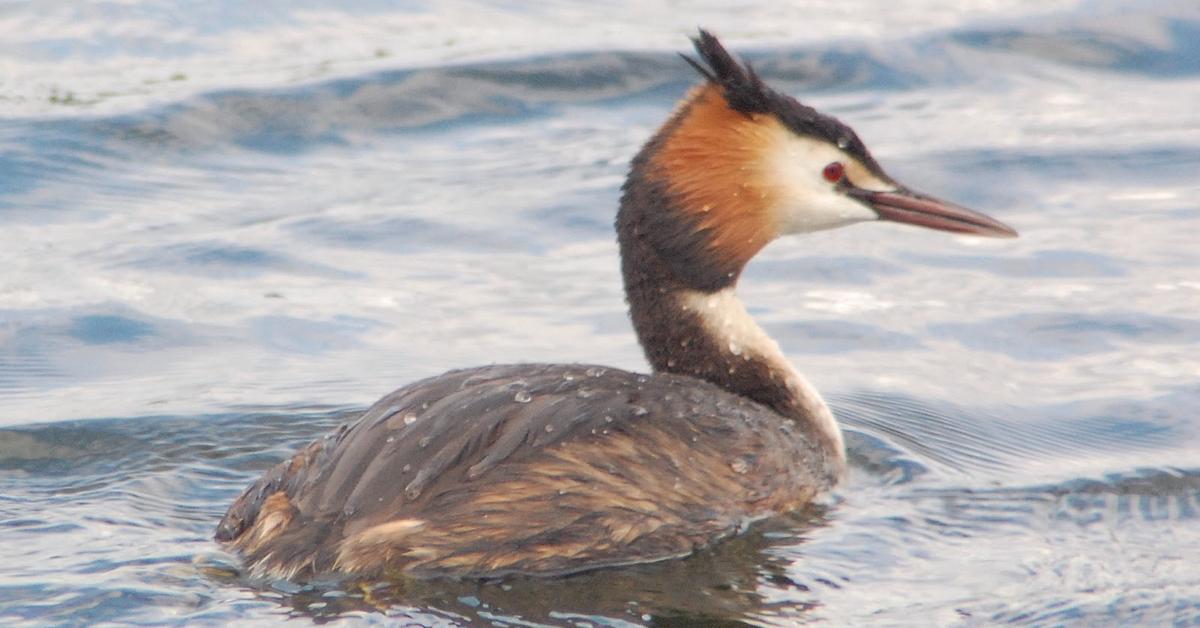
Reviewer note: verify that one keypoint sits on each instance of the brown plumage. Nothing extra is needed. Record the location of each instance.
(451, 476)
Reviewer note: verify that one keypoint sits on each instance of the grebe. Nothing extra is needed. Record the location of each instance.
(549, 469)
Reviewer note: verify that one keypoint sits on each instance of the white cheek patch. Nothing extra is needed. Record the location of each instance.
(807, 202)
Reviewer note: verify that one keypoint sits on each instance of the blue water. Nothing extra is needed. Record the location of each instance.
(223, 230)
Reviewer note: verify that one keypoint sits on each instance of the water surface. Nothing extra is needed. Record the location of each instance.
(224, 231)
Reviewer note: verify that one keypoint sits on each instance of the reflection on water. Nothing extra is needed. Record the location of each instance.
(213, 255)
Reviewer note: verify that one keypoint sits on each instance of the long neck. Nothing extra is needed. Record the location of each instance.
(690, 327)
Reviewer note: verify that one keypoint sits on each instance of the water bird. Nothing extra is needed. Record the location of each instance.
(551, 469)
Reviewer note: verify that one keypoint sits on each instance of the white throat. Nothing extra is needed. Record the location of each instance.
(726, 318)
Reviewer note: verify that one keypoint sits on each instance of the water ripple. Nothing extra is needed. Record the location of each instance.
(213, 222)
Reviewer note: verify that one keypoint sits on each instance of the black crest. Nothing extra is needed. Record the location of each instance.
(747, 93)
(744, 91)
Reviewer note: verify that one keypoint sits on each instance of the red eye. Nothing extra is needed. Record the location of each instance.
(834, 172)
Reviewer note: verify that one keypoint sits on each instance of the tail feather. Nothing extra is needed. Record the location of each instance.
(300, 550)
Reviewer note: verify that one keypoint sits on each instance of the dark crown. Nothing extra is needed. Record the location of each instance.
(747, 93)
